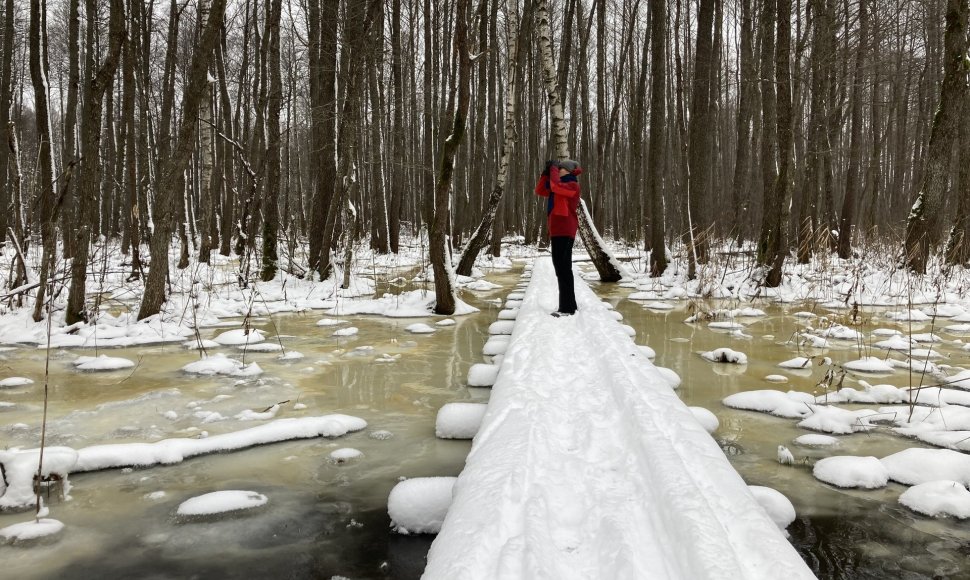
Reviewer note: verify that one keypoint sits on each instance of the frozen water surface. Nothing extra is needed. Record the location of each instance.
(328, 519)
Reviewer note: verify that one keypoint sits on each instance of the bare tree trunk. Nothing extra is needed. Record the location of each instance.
(784, 184)
(958, 245)
(47, 202)
(923, 222)
(274, 102)
(769, 140)
(6, 94)
(746, 103)
(359, 24)
(481, 234)
(853, 182)
(658, 138)
(98, 81)
(69, 151)
(324, 118)
(173, 166)
(701, 135)
(439, 250)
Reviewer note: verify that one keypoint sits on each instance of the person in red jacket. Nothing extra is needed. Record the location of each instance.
(560, 185)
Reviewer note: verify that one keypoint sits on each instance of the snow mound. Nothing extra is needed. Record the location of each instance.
(204, 344)
(851, 471)
(220, 502)
(726, 355)
(938, 499)
(671, 377)
(868, 364)
(32, 530)
(840, 332)
(497, 344)
(791, 405)
(446, 322)
(344, 332)
(817, 440)
(102, 363)
(15, 382)
(291, 355)
(419, 505)
(250, 415)
(799, 362)
(459, 420)
(501, 327)
(263, 347)
(707, 419)
(647, 351)
(419, 328)
(917, 465)
(482, 375)
(20, 467)
(830, 419)
(220, 364)
(345, 454)
(240, 336)
(508, 314)
(410, 304)
(908, 316)
(481, 286)
(779, 508)
(330, 322)
(776, 378)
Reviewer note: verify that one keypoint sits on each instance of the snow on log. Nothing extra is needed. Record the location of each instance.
(419, 505)
(459, 420)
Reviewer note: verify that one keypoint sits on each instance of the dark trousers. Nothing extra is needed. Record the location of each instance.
(562, 261)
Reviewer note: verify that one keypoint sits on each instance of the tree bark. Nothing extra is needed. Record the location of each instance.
(274, 103)
(923, 223)
(480, 236)
(439, 250)
(47, 203)
(658, 98)
(600, 255)
(173, 166)
(98, 81)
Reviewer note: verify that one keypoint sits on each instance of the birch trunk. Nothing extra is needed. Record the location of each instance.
(604, 261)
(479, 238)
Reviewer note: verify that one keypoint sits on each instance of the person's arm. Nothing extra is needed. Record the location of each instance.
(563, 188)
(542, 188)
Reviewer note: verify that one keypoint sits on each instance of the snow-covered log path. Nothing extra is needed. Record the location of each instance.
(588, 465)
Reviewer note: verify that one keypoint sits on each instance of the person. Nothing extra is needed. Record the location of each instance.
(560, 184)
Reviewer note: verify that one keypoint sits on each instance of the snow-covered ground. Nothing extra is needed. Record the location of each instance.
(588, 465)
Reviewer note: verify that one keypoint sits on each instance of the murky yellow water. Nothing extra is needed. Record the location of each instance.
(327, 519)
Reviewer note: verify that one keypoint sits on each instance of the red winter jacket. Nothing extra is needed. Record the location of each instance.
(566, 191)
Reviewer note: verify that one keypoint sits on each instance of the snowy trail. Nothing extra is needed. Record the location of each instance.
(588, 465)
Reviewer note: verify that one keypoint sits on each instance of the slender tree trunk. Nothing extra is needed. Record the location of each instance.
(97, 83)
(769, 143)
(6, 94)
(479, 238)
(746, 104)
(439, 250)
(784, 184)
(853, 182)
(923, 223)
(274, 102)
(47, 203)
(173, 166)
(359, 20)
(657, 150)
(602, 259)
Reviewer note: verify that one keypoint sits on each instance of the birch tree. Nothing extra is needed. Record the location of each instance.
(602, 259)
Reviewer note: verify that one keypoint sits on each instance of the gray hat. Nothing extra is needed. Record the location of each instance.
(568, 164)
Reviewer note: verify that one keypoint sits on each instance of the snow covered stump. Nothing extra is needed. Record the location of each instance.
(588, 465)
